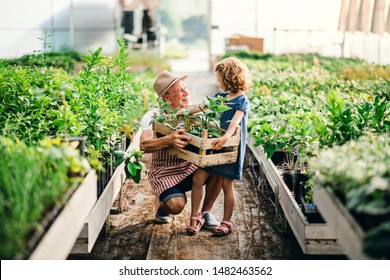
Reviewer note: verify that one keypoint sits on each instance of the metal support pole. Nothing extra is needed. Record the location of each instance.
(71, 26)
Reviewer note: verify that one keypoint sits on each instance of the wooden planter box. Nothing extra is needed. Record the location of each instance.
(199, 150)
(313, 238)
(97, 217)
(59, 239)
(348, 231)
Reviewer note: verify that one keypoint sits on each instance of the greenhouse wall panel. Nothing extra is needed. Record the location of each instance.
(94, 4)
(61, 14)
(87, 39)
(94, 19)
(16, 45)
(24, 14)
(22, 27)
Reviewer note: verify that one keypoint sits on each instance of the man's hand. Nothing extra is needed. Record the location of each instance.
(179, 140)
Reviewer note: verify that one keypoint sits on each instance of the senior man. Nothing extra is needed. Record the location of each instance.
(170, 176)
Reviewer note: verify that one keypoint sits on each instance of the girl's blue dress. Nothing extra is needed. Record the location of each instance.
(233, 170)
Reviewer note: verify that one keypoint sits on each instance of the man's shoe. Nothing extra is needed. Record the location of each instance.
(162, 217)
(210, 221)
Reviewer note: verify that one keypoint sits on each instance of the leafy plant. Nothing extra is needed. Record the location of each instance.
(33, 181)
(167, 114)
(133, 165)
(308, 192)
(358, 173)
(297, 103)
(66, 60)
(208, 119)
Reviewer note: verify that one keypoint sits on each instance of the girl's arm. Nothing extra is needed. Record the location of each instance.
(219, 142)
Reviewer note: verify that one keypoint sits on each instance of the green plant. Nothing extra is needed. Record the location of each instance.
(110, 99)
(167, 114)
(309, 192)
(133, 165)
(194, 124)
(358, 173)
(33, 182)
(210, 119)
(99, 102)
(66, 60)
(297, 102)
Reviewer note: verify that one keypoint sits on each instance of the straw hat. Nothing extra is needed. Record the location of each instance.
(164, 81)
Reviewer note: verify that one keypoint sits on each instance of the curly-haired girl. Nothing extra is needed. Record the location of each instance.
(233, 78)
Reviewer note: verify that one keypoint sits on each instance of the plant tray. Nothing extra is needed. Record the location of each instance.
(199, 149)
(97, 218)
(348, 231)
(58, 240)
(313, 238)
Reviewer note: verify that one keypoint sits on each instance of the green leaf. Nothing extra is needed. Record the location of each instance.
(137, 177)
(133, 168)
(118, 162)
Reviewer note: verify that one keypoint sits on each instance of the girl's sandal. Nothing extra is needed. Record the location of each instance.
(192, 230)
(222, 231)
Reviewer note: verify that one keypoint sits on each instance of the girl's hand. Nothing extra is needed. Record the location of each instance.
(219, 142)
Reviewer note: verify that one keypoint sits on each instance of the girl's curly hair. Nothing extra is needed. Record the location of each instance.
(232, 75)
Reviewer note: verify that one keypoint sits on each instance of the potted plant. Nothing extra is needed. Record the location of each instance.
(352, 185)
(309, 208)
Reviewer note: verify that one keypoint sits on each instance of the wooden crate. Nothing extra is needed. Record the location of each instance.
(199, 149)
